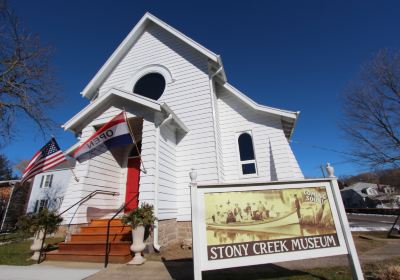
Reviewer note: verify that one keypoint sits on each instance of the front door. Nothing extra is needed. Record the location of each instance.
(132, 183)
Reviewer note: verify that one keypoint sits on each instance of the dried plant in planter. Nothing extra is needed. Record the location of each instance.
(141, 216)
(31, 223)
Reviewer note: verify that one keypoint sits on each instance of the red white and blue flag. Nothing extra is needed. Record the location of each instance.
(112, 134)
(47, 157)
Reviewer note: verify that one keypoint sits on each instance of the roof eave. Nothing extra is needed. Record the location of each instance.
(294, 125)
(291, 115)
(175, 118)
(112, 93)
(259, 107)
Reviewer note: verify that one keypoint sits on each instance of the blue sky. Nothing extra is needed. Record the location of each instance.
(295, 55)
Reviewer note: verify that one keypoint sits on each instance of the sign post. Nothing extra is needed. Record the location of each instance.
(236, 225)
(351, 248)
(195, 231)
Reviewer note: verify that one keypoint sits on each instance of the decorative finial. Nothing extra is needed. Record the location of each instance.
(330, 170)
(193, 175)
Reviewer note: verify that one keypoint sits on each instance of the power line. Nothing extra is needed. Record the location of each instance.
(322, 148)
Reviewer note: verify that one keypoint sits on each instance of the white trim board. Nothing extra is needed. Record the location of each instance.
(113, 93)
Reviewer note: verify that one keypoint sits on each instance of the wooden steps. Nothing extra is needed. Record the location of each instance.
(89, 244)
(87, 237)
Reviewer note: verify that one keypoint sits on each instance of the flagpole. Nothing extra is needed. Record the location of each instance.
(67, 162)
(72, 171)
(134, 142)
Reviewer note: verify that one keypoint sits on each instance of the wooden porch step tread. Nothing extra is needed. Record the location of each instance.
(96, 242)
(115, 219)
(105, 226)
(112, 227)
(100, 233)
(86, 253)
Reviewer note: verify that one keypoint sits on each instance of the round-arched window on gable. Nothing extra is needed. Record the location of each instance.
(150, 85)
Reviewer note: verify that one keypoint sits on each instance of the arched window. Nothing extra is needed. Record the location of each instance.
(151, 85)
(246, 154)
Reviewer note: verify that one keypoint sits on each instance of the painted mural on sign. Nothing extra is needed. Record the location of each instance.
(260, 222)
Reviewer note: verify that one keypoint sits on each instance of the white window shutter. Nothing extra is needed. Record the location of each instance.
(41, 181)
(51, 180)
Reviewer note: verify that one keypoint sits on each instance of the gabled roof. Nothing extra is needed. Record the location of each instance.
(288, 118)
(91, 88)
(115, 94)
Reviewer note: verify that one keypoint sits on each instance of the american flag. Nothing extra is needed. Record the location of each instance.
(47, 157)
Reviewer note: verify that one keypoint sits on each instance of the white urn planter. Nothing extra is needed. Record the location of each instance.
(330, 170)
(138, 245)
(37, 244)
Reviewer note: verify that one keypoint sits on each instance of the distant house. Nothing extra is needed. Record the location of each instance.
(13, 202)
(352, 199)
(48, 188)
(373, 195)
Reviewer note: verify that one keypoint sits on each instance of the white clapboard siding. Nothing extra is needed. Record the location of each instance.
(218, 137)
(147, 179)
(103, 171)
(167, 189)
(274, 158)
(188, 96)
(214, 118)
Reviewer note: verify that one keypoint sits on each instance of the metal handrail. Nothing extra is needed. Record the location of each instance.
(80, 202)
(89, 196)
(108, 228)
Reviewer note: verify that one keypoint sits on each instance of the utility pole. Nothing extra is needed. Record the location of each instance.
(322, 170)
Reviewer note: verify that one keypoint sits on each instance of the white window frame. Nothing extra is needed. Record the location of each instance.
(241, 175)
(40, 206)
(148, 69)
(46, 181)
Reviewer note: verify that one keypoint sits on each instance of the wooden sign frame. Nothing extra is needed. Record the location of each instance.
(208, 254)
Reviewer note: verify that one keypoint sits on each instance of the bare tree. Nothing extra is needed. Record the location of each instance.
(27, 86)
(5, 169)
(372, 111)
(21, 165)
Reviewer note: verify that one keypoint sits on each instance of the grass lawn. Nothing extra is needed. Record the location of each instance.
(18, 252)
(371, 272)
(365, 244)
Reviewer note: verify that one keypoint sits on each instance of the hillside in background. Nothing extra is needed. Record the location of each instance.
(384, 177)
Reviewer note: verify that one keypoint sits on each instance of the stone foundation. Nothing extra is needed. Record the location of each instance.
(171, 232)
(167, 232)
(184, 231)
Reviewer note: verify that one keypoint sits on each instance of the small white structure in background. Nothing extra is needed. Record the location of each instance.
(184, 114)
(48, 188)
(375, 195)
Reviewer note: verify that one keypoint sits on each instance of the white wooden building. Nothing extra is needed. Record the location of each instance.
(48, 188)
(185, 115)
